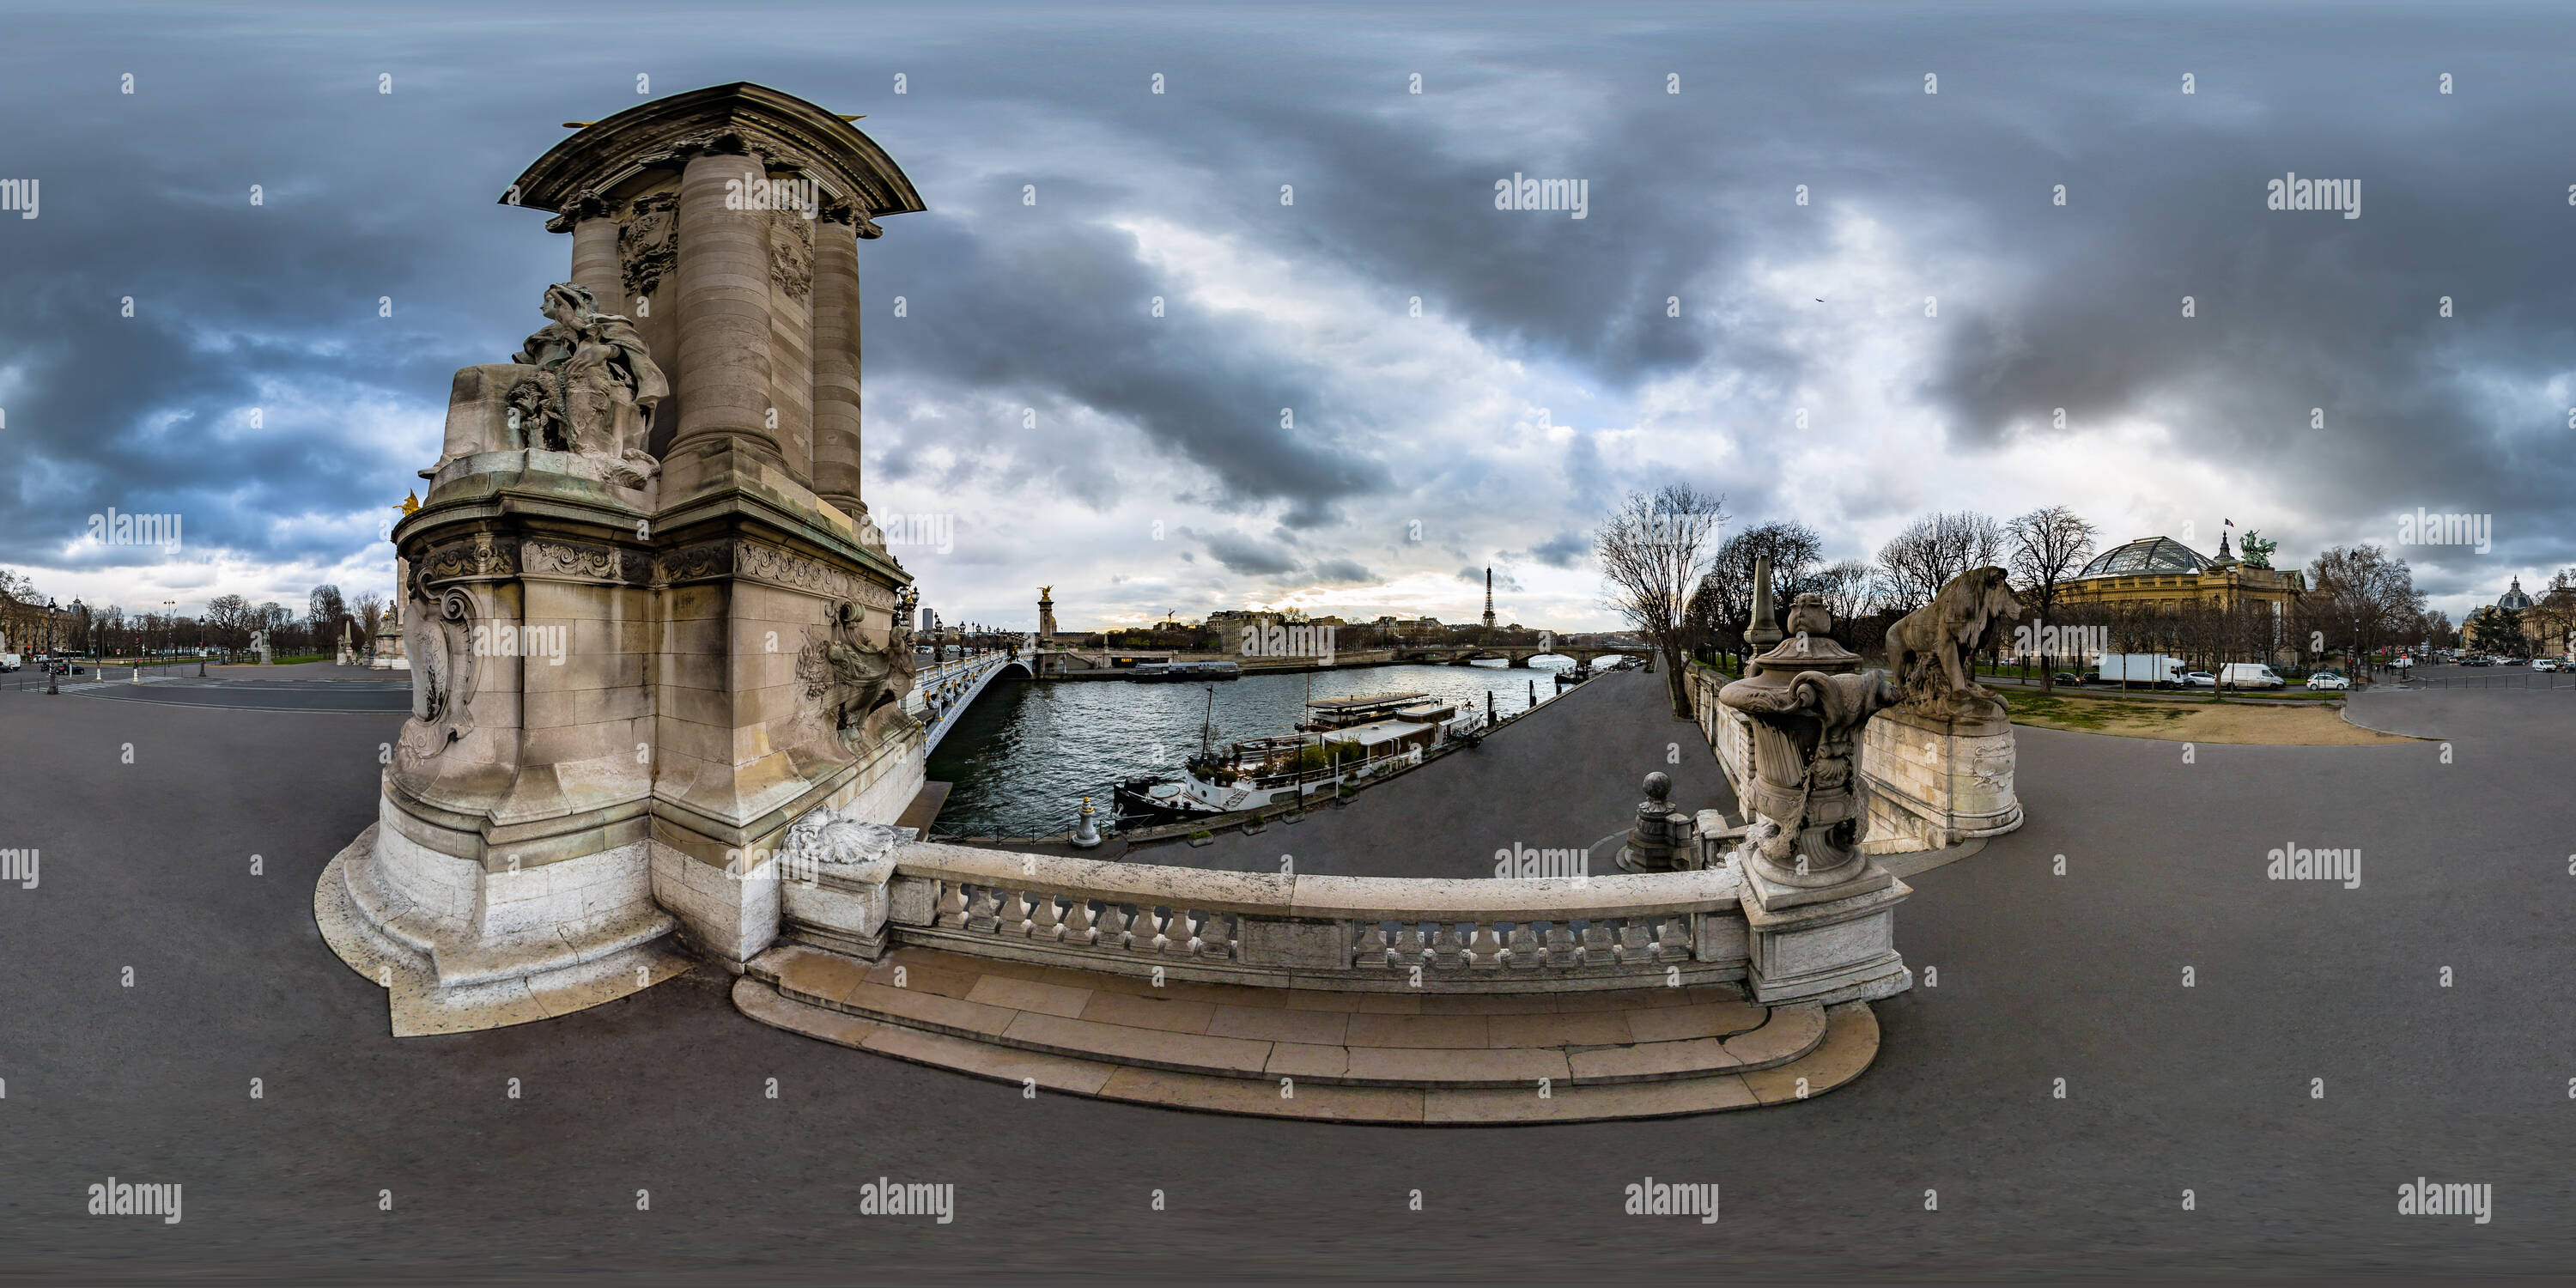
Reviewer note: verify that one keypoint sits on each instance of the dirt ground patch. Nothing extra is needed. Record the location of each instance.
(2299, 724)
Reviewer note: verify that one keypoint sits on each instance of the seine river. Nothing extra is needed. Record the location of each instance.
(1026, 753)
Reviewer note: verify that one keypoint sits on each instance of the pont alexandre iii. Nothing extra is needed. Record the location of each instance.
(648, 623)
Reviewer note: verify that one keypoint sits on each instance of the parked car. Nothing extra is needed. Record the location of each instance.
(2199, 680)
(2513, 661)
(2327, 682)
(2250, 675)
(2544, 664)
(2066, 677)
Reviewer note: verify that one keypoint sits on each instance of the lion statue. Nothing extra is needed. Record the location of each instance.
(1932, 650)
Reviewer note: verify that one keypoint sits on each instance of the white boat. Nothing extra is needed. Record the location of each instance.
(1344, 741)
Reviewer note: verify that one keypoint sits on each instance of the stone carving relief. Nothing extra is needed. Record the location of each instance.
(482, 556)
(791, 252)
(593, 388)
(437, 633)
(1932, 650)
(648, 245)
(567, 559)
(854, 687)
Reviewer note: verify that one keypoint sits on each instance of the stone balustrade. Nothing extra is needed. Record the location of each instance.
(1349, 933)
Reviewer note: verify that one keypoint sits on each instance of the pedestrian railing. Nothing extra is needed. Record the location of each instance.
(1360, 933)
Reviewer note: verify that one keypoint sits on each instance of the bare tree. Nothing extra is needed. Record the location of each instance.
(369, 609)
(2363, 598)
(1791, 547)
(1932, 550)
(2048, 548)
(1653, 552)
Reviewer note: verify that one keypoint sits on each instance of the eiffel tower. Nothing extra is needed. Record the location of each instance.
(1489, 598)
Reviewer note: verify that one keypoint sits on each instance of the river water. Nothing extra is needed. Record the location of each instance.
(1026, 753)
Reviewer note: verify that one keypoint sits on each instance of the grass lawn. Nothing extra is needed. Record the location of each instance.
(2206, 720)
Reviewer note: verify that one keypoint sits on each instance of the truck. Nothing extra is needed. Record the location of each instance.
(11, 661)
(2249, 675)
(2155, 670)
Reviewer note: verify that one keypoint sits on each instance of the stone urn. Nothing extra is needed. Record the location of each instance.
(1806, 699)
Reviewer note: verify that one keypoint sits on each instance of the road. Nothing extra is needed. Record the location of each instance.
(147, 817)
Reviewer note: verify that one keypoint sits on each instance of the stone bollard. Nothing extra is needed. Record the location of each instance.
(1658, 831)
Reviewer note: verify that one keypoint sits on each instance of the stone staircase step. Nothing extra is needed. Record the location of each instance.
(1505, 1043)
(1850, 1042)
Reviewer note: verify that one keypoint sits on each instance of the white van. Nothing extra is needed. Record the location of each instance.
(2249, 675)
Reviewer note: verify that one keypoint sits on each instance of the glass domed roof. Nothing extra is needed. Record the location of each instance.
(2514, 598)
(2145, 555)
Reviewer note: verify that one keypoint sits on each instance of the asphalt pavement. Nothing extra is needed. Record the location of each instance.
(2259, 1118)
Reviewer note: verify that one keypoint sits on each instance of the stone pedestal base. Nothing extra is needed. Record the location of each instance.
(1836, 944)
(1929, 784)
(438, 983)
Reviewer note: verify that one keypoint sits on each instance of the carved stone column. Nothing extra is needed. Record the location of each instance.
(594, 254)
(724, 378)
(836, 363)
(791, 337)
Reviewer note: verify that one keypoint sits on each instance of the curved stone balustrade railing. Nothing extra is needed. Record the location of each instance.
(1357, 933)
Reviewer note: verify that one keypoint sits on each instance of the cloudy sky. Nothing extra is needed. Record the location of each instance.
(1290, 430)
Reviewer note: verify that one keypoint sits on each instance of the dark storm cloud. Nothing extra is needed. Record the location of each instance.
(1045, 307)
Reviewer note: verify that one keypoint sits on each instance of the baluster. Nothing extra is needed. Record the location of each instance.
(1597, 948)
(1015, 914)
(952, 905)
(1372, 951)
(1043, 921)
(1633, 949)
(1176, 932)
(1560, 945)
(1077, 922)
(1140, 930)
(979, 914)
(1408, 944)
(1215, 940)
(1446, 948)
(1673, 942)
(1113, 926)
(1524, 946)
(1485, 948)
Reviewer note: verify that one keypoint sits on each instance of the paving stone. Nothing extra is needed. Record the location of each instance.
(811, 974)
(761, 1002)
(1705, 1020)
(1171, 1015)
(1558, 1029)
(1279, 1024)
(1029, 995)
(1428, 1065)
(929, 1010)
(1319, 1101)
(1791, 1032)
(1651, 1060)
(1300, 1060)
(1415, 1031)
(1850, 1044)
(999, 1063)
(1120, 1043)
(1588, 1104)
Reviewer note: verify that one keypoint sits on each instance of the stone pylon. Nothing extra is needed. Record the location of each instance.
(649, 625)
